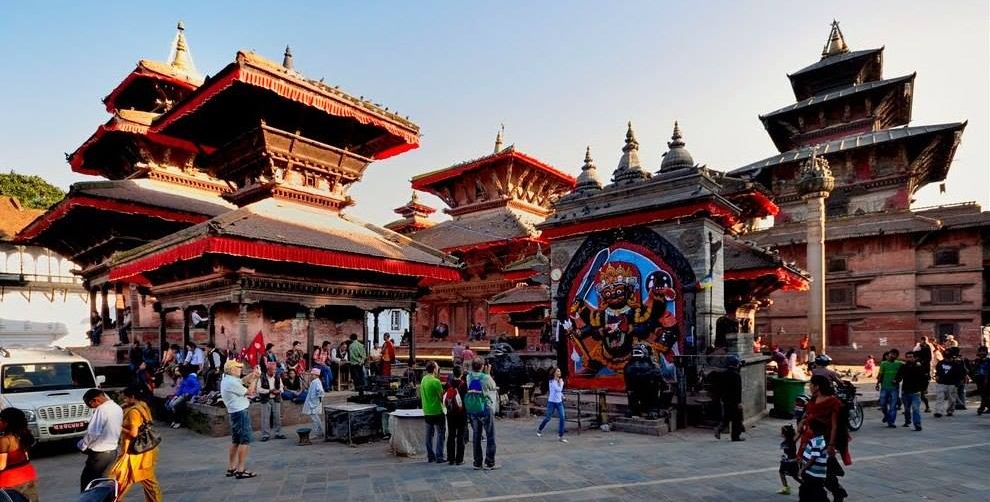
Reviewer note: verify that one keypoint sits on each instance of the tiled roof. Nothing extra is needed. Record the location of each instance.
(296, 225)
(156, 194)
(494, 225)
(835, 59)
(821, 98)
(849, 227)
(522, 294)
(848, 143)
(14, 217)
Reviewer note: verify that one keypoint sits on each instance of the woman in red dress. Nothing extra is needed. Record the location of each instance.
(16, 471)
(824, 407)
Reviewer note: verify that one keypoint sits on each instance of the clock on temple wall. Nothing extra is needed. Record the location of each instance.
(555, 274)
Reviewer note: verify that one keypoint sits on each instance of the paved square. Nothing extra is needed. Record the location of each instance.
(946, 461)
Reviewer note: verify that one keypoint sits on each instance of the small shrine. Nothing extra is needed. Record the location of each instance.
(651, 261)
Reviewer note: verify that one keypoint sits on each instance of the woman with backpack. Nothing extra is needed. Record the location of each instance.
(555, 404)
(133, 466)
(453, 402)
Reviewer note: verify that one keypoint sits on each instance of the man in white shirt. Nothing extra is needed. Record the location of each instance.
(194, 355)
(234, 391)
(102, 435)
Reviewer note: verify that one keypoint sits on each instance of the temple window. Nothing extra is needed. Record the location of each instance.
(841, 296)
(837, 265)
(946, 256)
(396, 320)
(946, 295)
(838, 334)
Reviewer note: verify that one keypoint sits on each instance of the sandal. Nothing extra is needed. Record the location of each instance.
(230, 473)
(245, 475)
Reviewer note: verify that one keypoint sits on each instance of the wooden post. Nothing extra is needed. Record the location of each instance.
(104, 307)
(92, 304)
(412, 341)
(377, 314)
(310, 333)
(185, 325)
(162, 329)
(242, 323)
(211, 325)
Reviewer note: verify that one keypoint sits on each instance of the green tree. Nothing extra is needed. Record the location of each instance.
(31, 191)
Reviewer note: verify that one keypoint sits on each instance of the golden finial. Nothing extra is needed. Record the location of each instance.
(180, 58)
(287, 59)
(835, 43)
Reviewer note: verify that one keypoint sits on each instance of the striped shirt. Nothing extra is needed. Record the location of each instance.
(816, 456)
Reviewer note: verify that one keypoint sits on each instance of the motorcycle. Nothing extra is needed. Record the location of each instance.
(846, 392)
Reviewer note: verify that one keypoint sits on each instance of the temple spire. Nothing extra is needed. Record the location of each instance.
(498, 138)
(835, 43)
(677, 157)
(180, 59)
(287, 59)
(588, 180)
(629, 167)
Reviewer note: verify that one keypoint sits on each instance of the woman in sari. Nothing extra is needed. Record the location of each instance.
(16, 471)
(825, 408)
(130, 467)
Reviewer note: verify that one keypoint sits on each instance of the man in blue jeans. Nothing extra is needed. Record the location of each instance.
(887, 384)
(914, 379)
(431, 396)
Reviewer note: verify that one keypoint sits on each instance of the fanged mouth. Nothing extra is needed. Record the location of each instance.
(615, 341)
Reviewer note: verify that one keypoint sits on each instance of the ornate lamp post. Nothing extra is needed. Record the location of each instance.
(815, 183)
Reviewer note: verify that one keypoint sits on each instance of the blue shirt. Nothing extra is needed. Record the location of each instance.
(189, 387)
(556, 391)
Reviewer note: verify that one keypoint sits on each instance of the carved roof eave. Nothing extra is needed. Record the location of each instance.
(152, 70)
(430, 181)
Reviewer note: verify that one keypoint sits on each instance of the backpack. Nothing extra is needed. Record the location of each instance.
(475, 401)
(452, 399)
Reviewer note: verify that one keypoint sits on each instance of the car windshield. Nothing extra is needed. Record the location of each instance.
(36, 377)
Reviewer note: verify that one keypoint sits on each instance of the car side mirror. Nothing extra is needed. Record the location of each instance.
(100, 380)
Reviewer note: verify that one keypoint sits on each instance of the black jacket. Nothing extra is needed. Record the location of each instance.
(950, 372)
(730, 384)
(913, 377)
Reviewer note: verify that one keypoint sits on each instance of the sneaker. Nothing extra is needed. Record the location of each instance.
(477, 467)
(563, 440)
(266, 438)
(948, 414)
(937, 415)
(891, 426)
(738, 439)
(492, 467)
(917, 428)
(539, 434)
(441, 461)
(906, 424)
(784, 491)
(279, 436)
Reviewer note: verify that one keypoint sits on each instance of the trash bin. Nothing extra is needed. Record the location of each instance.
(785, 391)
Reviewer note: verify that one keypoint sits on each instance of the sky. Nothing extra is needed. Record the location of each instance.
(559, 75)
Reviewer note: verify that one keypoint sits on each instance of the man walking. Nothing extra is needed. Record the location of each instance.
(356, 356)
(478, 406)
(948, 373)
(923, 354)
(914, 380)
(980, 374)
(431, 395)
(270, 396)
(731, 396)
(453, 401)
(887, 385)
(234, 391)
(102, 435)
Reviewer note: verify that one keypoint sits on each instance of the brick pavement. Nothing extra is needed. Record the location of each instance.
(945, 461)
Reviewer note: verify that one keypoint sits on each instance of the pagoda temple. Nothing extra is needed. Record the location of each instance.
(495, 203)
(655, 260)
(893, 273)
(229, 200)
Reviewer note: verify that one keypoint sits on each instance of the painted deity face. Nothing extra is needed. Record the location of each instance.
(615, 296)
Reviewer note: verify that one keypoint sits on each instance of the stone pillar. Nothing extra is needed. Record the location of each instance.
(815, 182)
(242, 333)
(92, 303)
(816, 267)
(119, 303)
(186, 337)
(412, 340)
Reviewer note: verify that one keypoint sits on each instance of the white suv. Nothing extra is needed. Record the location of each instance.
(47, 384)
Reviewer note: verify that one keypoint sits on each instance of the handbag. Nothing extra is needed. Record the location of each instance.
(147, 439)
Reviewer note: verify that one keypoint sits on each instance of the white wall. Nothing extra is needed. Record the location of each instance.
(385, 325)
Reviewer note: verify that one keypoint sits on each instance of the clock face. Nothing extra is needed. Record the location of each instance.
(555, 274)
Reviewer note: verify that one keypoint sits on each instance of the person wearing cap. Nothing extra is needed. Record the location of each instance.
(314, 403)
(234, 391)
(730, 392)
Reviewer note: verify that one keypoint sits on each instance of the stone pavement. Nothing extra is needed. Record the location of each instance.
(946, 461)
